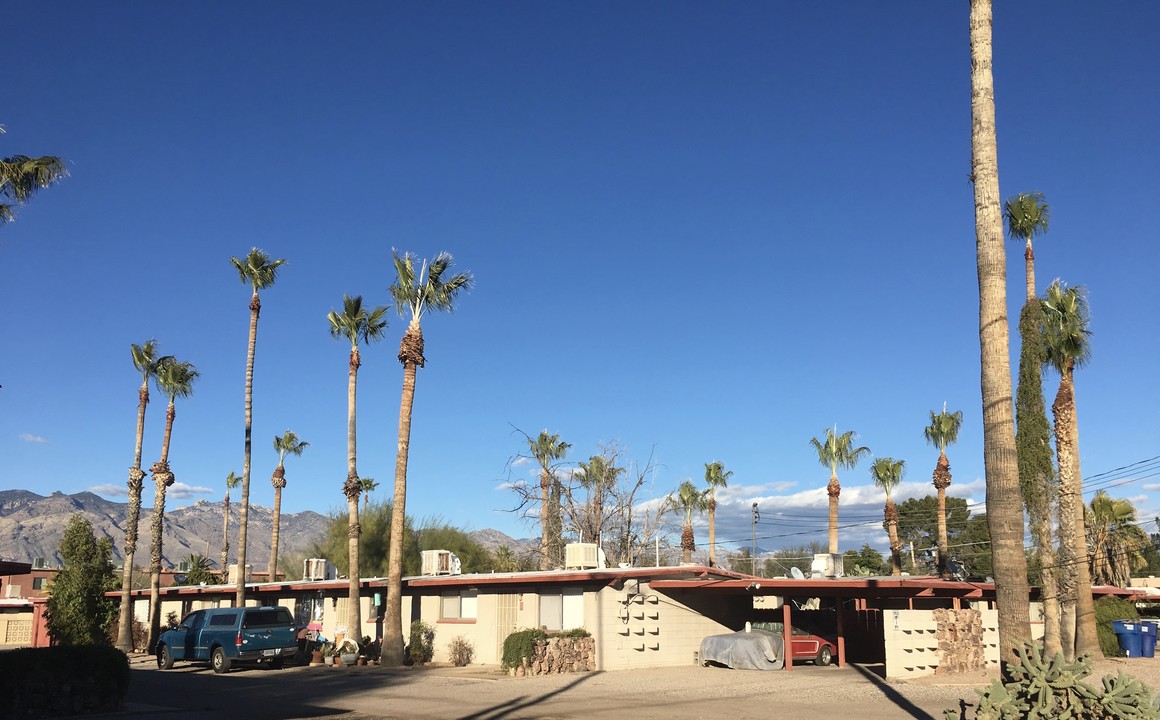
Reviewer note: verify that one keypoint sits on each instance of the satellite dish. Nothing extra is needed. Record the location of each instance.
(796, 573)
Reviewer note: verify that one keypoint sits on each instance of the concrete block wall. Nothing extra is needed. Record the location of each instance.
(912, 647)
(643, 628)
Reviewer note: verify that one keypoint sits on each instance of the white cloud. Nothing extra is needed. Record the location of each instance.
(520, 461)
(181, 490)
(30, 438)
(110, 489)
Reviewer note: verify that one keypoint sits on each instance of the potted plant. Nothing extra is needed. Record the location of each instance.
(371, 650)
(348, 651)
(328, 653)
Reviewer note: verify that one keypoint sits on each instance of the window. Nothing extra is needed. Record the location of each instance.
(267, 618)
(224, 619)
(562, 610)
(458, 605)
(39, 583)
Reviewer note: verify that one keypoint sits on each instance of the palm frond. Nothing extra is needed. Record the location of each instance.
(22, 176)
(1027, 214)
(257, 269)
(176, 378)
(887, 473)
(1066, 320)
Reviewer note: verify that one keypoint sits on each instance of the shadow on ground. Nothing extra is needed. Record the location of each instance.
(516, 704)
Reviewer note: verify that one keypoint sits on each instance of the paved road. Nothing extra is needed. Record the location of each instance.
(430, 693)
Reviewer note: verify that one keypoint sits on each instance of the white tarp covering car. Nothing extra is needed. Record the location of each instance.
(744, 650)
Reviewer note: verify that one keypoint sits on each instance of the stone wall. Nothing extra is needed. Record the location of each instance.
(560, 655)
(959, 634)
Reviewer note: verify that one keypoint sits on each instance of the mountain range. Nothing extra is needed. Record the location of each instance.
(31, 526)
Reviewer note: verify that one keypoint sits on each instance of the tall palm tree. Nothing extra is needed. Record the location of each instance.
(691, 501)
(259, 272)
(232, 481)
(1004, 509)
(356, 325)
(1116, 542)
(368, 486)
(1067, 337)
(717, 477)
(146, 360)
(548, 450)
(1037, 478)
(837, 451)
(1027, 215)
(599, 476)
(887, 474)
(175, 379)
(22, 176)
(943, 431)
(286, 444)
(416, 290)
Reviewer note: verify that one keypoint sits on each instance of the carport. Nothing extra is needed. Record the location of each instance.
(867, 595)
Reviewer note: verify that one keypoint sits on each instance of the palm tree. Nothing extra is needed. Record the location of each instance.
(175, 379)
(1066, 333)
(599, 477)
(259, 272)
(887, 474)
(837, 451)
(356, 325)
(146, 361)
(1004, 509)
(943, 431)
(416, 290)
(287, 444)
(717, 477)
(547, 451)
(368, 485)
(232, 481)
(691, 501)
(21, 177)
(1116, 542)
(1037, 479)
(1027, 215)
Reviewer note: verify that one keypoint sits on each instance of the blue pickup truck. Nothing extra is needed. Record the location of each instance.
(228, 636)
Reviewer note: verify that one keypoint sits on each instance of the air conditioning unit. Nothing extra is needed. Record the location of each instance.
(828, 565)
(581, 556)
(39, 564)
(183, 566)
(12, 591)
(232, 575)
(318, 569)
(440, 562)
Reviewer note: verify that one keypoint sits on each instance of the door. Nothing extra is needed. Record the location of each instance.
(191, 626)
(505, 621)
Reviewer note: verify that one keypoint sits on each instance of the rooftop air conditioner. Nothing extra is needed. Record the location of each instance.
(581, 556)
(827, 565)
(440, 562)
(318, 569)
(39, 563)
(12, 591)
(232, 575)
(184, 566)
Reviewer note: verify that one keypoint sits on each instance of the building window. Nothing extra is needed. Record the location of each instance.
(39, 583)
(562, 610)
(458, 605)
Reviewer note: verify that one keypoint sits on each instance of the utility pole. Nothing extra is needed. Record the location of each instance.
(753, 539)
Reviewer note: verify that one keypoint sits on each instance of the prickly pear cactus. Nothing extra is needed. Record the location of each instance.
(1040, 688)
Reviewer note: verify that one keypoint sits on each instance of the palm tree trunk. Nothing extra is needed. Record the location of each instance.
(392, 653)
(136, 485)
(1029, 268)
(244, 511)
(712, 530)
(226, 536)
(545, 521)
(688, 543)
(352, 490)
(1004, 502)
(942, 480)
(1052, 645)
(1071, 516)
(162, 479)
(833, 490)
(891, 517)
(277, 521)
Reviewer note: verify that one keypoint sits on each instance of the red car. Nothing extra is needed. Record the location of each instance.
(806, 645)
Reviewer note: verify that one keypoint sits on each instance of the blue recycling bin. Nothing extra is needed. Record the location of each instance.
(1130, 637)
(1148, 638)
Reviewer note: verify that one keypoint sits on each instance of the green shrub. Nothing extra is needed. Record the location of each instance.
(1109, 608)
(460, 651)
(1041, 688)
(43, 682)
(519, 645)
(573, 633)
(422, 646)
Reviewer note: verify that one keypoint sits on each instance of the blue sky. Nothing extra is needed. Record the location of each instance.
(702, 231)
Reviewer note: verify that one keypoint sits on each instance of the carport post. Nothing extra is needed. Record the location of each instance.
(841, 634)
(787, 632)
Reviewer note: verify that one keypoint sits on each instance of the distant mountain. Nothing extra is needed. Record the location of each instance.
(494, 539)
(31, 526)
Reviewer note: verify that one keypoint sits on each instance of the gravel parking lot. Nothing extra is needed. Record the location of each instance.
(479, 693)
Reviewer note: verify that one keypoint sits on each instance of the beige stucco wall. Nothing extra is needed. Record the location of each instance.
(636, 627)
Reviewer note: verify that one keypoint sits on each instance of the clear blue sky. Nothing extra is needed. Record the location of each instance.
(705, 231)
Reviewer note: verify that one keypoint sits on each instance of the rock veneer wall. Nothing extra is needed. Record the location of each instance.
(959, 634)
(559, 655)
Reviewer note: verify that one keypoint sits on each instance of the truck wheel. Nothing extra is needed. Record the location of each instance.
(277, 663)
(824, 656)
(221, 663)
(164, 658)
